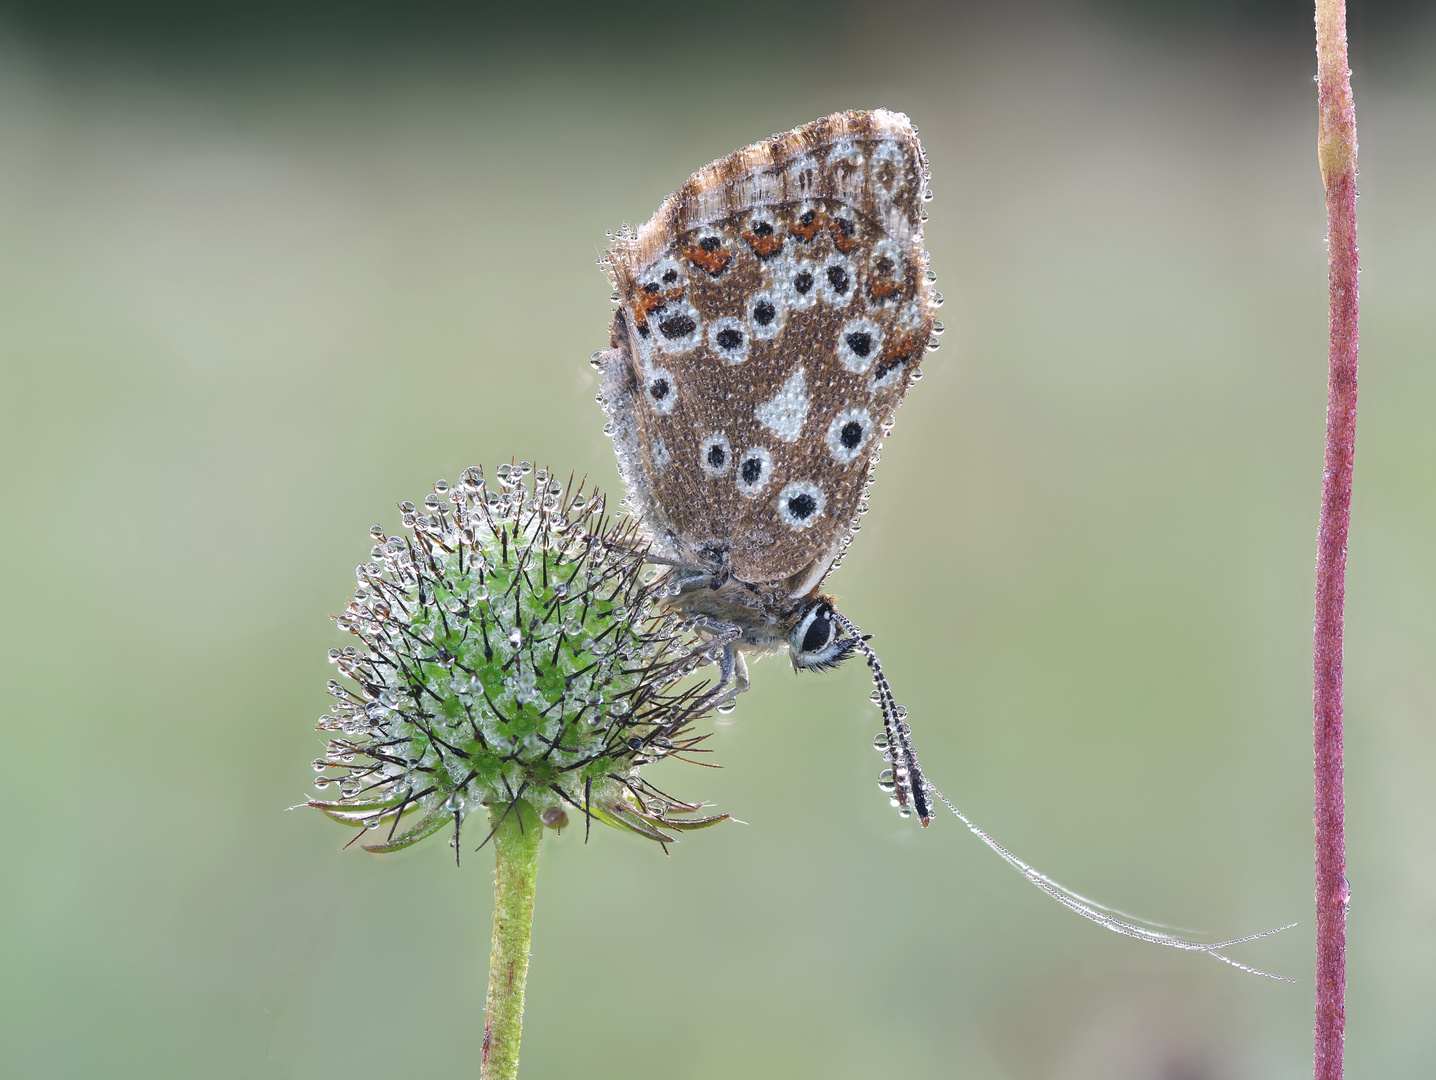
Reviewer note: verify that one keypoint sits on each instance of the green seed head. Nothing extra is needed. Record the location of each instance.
(509, 648)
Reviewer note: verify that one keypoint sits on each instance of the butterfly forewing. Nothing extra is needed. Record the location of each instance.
(772, 315)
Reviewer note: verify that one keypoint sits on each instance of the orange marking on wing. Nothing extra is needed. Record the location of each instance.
(805, 230)
(712, 261)
(765, 247)
(897, 354)
(882, 288)
(845, 234)
(645, 302)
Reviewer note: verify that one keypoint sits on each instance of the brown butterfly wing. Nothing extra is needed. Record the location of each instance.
(772, 316)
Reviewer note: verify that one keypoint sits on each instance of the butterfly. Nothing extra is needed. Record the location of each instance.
(770, 319)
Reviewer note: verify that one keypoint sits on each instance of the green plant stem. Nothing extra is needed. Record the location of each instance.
(516, 845)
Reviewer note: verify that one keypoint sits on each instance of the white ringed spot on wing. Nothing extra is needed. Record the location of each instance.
(679, 327)
(800, 504)
(661, 391)
(848, 434)
(860, 342)
(837, 281)
(754, 470)
(715, 456)
(665, 278)
(786, 411)
(729, 339)
(798, 280)
(766, 315)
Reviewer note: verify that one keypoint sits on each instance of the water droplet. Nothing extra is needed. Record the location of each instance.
(886, 782)
(727, 707)
(880, 741)
(516, 637)
(454, 804)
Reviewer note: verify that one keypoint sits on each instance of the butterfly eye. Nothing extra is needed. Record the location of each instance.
(820, 629)
(814, 643)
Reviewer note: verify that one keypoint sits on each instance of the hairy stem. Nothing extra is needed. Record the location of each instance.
(516, 844)
(1336, 149)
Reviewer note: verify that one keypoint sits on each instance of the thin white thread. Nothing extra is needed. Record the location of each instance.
(1105, 916)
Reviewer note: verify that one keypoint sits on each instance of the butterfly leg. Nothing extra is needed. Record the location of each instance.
(732, 669)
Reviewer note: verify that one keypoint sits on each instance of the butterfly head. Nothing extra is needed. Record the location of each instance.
(816, 642)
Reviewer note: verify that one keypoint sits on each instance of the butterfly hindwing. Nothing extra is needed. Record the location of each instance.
(772, 316)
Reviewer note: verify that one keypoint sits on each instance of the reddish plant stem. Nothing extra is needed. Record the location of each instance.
(1337, 154)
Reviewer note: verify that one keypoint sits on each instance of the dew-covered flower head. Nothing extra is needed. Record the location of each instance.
(508, 648)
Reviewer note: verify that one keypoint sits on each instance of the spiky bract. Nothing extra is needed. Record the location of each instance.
(510, 649)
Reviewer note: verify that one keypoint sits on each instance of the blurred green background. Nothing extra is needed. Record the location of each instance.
(265, 275)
